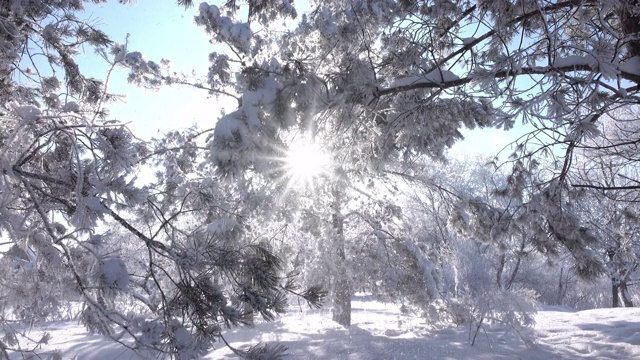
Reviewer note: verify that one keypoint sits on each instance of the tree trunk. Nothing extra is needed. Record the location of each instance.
(341, 286)
(516, 268)
(624, 292)
(561, 289)
(630, 23)
(615, 300)
(342, 300)
(501, 262)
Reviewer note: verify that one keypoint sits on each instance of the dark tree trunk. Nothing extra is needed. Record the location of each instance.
(630, 22)
(561, 289)
(342, 301)
(341, 286)
(516, 268)
(626, 300)
(502, 260)
(615, 300)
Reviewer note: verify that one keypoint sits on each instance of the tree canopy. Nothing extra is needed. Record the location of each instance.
(383, 88)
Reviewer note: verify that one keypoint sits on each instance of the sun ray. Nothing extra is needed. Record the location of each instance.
(305, 162)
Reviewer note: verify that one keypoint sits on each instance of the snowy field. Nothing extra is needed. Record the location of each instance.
(381, 331)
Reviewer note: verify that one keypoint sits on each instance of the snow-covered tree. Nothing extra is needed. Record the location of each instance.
(380, 84)
(481, 278)
(606, 172)
(161, 268)
(388, 81)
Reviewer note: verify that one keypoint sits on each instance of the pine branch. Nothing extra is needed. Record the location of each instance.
(136, 232)
(538, 70)
(606, 188)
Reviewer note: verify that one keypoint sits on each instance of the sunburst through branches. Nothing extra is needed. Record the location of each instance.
(305, 162)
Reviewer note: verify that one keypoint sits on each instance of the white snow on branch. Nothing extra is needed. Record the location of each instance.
(469, 40)
(436, 76)
(28, 112)
(605, 67)
(223, 225)
(575, 60)
(114, 274)
(631, 66)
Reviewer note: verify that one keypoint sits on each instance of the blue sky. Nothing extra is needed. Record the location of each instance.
(164, 30)
(159, 30)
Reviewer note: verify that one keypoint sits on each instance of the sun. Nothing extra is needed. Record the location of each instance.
(305, 161)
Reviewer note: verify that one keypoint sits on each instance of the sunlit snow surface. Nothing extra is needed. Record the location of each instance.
(381, 331)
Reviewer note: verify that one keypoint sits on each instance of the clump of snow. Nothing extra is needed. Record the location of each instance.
(575, 60)
(436, 76)
(469, 40)
(50, 83)
(223, 28)
(71, 106)
(133, 57)
(230, 127)
(50, 33)
(182, 338)
(223, 225)
(151, 332)
(113, 274)
(631, 66)
(28, 112)
(40, 237)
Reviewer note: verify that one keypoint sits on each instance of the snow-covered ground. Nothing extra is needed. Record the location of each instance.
(381, 331)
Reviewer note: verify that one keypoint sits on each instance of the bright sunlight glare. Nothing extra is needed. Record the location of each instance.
(306, 160)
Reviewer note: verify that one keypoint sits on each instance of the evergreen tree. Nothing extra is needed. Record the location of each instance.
(387, 81)
(178, 263)
(382, 82)
(604, 177)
